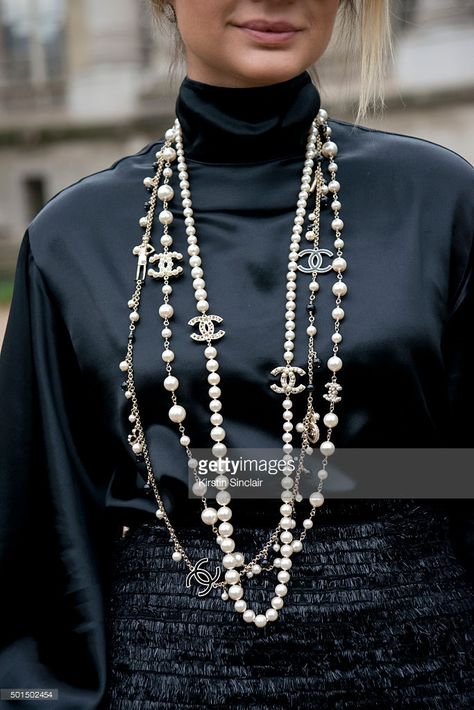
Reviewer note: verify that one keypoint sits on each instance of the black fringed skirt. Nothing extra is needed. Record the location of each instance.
(379, 614)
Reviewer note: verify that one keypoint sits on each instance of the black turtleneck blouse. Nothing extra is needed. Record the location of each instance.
(68, 477)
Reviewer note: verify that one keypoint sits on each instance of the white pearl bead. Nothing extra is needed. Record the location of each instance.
(260, 621)
(177, 413)
(240, 606)
(123, 366)
(271, 614)
(210, 352)
(322, 474)
(311, 330)
(202, 306)
(281, 590)
(336, 205)
(339, 243)
(137, 448)
(227, 544)
(330, 419)
(239, 558)
(199, 489)
(214, 392)
(285, 522)
(297, 545)
(248, 616)
(212, 365)
(226, 529)
(134, 316)
(339, 264)
(339, 288)
(337, 224)
(316, 499)
(165, 193)
(177, 556)
(334, 363)
(213, 378)
(215, 405)
(166, 332)
(224, 513)
(336, 337)
(171, 383)
(169, 154)
(283, 577)
(286, 563)
(232, 576)
(327, 448)
(209, 516)
(166, 310)
(286, 550)
(148, 182)
(167, 289)
(143, 222)
(165, 217)
(277, 603)
(185, 440)
(338, 313)
(286, 537)
(236, 591)
(307, 523)
(229, 561)
(167, 355)
(223, 497)
(219, 450)
(329, 149)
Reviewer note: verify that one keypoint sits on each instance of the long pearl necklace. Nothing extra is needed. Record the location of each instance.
(165, 266)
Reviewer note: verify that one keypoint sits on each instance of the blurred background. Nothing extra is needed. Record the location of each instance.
(85, 82)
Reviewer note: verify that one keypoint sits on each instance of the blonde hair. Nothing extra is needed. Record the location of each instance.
(364, 31)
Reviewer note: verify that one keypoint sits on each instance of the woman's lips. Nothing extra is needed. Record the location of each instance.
(267, 37)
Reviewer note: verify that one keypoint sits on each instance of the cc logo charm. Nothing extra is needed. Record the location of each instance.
(288, 379)
(166, 266)
(206, 327)
(315, 261)
(203, 577)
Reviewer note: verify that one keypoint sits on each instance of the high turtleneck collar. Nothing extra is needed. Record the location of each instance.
(246, 125)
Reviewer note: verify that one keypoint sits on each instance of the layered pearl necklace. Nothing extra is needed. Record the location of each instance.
(164, 266)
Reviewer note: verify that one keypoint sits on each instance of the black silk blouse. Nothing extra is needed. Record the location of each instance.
(68, 476)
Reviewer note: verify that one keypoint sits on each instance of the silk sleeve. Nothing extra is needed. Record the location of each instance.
(54, 535)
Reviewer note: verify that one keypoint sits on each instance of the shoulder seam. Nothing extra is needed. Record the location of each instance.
(144, 150)
(368, 129)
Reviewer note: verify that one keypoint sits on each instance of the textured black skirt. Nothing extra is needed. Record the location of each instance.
(379, 614)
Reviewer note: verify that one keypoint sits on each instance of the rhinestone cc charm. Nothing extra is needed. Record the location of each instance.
(203, 577)
(206, 327)
(288, 379)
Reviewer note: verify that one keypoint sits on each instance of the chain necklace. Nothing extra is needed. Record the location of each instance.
(164, 266)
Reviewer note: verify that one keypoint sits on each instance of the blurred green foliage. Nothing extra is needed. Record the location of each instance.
(6, 290)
